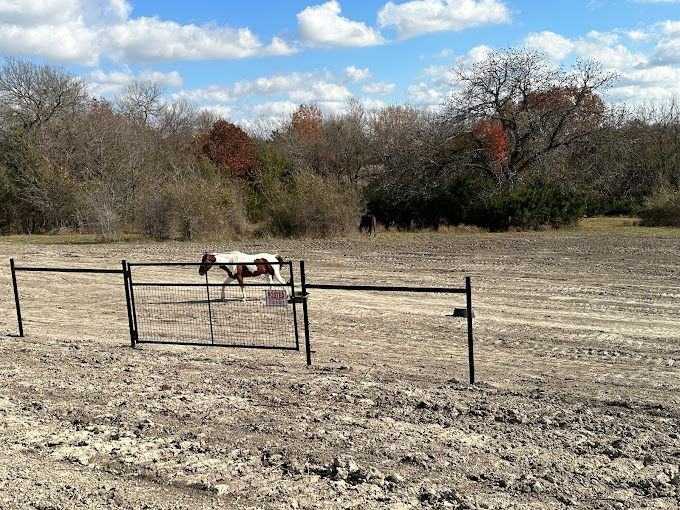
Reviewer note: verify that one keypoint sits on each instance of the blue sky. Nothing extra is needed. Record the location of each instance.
(258, 60)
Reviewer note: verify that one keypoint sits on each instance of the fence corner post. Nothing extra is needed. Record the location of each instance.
(471, 355)
(305, 316)
(16, 297)
(126, 280)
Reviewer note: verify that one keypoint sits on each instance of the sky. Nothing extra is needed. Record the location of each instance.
(256, 61)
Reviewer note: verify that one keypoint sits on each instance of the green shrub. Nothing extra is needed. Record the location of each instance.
(529, 205)
(662, 211)
(599, 205)
(424, 203)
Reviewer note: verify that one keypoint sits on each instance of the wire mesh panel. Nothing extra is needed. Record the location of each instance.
(171, 313)
(170, 308)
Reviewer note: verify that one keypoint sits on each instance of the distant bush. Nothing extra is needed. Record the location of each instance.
(662, 211)
(155, 214)
(424, 203)
(529, 205)
(207, 209)
(308, 205)
(599, 205)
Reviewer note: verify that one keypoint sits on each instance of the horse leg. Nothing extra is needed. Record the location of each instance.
(240, 282)
(226, 282)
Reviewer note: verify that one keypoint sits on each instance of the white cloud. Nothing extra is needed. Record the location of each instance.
(353, 75)
(30, 12)
(210, 94)
(440, 76)
(104, 11)
(261, 119)
(553, 45)
(603, 47)
(379, 88)
(220, 110)
(640, 35)
(422, 94)
(171, 79)
(295, 87)
(69, 43)
(82, 31)
(478, 53)
(154, 40)
(671, 28)
(104, 84)
(371, 103)
(667, 50)
(273, 108)
(419, 17)
(641, 76)
(444, 53)
(320, 91)
(277, 84)
(322, 25)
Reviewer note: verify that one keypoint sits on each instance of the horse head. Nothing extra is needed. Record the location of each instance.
(206, 263)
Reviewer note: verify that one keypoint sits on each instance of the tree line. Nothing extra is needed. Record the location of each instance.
(518, 144)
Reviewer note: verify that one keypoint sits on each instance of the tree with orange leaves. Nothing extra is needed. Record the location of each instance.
(538, 109)
(228, 147)
(307, 120)
(493, 143)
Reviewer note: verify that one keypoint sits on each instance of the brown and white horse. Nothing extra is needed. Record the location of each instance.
(240, 265)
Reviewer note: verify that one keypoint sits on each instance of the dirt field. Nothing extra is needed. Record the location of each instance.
(577, 401)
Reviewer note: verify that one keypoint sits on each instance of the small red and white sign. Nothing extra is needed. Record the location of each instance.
(276, 297)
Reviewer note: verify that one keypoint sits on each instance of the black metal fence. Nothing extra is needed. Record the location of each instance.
(170, 306)
(468, 312)
(166, 304)
(14, 269)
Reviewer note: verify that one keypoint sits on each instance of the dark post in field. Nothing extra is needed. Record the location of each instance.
(303, 289)
(471, 355)
(207, 290)
(16, 297)
(128, 302)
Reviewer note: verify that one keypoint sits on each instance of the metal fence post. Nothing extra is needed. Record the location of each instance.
(293, 299)
(16, 297)
(210, 319)
(126, 280)
(471, 355)
(303, 289)
(135, 337)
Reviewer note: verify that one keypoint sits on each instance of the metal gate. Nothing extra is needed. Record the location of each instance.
(172, 304)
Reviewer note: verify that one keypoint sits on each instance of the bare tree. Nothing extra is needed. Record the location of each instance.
(347, 137)
(178, 122)
(141, 101)
(32, 94)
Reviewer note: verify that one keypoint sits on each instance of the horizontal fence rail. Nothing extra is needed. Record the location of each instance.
(68, 270)
(384, 288)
